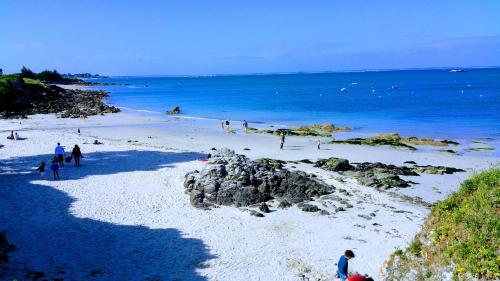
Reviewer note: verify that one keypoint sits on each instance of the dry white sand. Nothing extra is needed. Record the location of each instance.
(123, 214)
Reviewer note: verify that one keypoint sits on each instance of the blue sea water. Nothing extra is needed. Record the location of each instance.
(433, 103)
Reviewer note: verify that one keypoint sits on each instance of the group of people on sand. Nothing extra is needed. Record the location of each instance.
(14, 136)
(59, 159)
(225, 125)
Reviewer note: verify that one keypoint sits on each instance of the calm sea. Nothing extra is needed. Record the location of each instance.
(434, 103)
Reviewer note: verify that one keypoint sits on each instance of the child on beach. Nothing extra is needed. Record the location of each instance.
(55, 169)
(11, 137)
(41, 169)
(343, 264)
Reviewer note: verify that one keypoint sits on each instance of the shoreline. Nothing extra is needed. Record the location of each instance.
(135, 191)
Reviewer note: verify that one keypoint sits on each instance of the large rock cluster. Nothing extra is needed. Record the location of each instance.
(21, 99)
(380, 175)
(76, 103)
(233, 179)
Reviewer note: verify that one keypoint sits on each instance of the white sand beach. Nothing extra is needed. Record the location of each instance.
(123, 215)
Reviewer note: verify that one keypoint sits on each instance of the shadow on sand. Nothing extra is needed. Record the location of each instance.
(50, 239)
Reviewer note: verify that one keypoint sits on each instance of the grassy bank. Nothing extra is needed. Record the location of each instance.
(459, 239)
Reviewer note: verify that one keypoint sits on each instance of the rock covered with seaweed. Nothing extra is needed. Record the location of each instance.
(233, 179)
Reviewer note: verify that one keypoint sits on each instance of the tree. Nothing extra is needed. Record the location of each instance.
(27, 73)
(50, 76)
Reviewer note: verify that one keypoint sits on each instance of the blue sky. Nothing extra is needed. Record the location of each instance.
(213, 37)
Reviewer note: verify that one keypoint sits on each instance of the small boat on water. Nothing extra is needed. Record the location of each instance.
(457, 70)
(343, 90)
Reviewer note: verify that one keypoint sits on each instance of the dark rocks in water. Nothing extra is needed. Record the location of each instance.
(232, 179)
(175, 110)
(5, 249)
(333, 164)
(450, 142)
(264, 208)
(309, 208)
(410, 162)
(306, 161)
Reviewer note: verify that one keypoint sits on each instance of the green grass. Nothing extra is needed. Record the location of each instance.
(463, 230)
(467, 226)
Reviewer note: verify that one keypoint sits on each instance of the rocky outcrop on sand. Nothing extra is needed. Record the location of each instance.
(380, 175)
(314, 130)
(5, 249)
(233, 179)
(395, 140)
(22, 97)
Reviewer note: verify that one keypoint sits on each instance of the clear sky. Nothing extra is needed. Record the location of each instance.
(212, 37)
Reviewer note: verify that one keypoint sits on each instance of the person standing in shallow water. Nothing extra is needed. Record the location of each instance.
(76, 154)
(59, 151)
(227, 125)
(282, 139)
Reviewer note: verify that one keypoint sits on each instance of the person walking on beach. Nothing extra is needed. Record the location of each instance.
(59, 151)
(55, 170)
(227, 125)
(76, 154)
(282, 139)
(343, 264)
(245, 126)
(222, 125)
(318, 144)
(41, 169)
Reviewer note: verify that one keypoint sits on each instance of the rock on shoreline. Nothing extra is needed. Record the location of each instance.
(66, 103)
(233, 179)
(380, 175)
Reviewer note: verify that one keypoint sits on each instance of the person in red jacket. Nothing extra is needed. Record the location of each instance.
(359, 278)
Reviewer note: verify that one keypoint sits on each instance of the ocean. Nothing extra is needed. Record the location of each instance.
(426, 103)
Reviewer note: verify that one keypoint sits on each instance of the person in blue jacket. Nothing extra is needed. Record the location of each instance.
(343, 264)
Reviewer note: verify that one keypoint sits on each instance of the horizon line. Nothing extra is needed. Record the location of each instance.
(305, 72)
